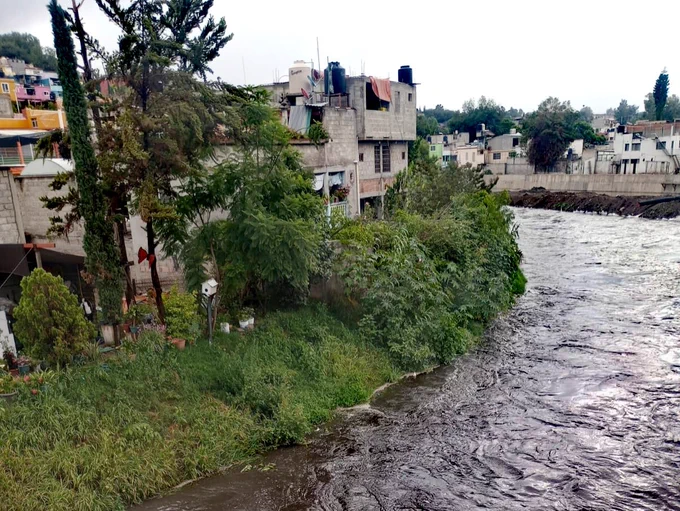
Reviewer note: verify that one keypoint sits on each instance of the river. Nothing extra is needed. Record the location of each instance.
(571, 402)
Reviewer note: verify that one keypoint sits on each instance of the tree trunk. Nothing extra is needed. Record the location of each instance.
(155, 279)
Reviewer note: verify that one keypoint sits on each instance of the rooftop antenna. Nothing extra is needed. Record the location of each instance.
(243, 61)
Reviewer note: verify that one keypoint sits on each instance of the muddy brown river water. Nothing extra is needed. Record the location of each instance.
(572, 401)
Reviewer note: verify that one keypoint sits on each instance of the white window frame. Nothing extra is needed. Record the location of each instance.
(5, 88)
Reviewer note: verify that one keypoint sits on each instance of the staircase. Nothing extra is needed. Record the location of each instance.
(673, 157)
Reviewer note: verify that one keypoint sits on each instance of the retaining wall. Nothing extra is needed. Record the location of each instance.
(607, 184)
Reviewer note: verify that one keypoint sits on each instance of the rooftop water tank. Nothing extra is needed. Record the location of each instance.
(339, 79)
(297, 77)
(405, 75)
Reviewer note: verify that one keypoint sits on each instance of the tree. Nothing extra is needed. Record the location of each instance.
(49, 321)
(548, 132)
(158, 136)
(625, 113)
(586, 114)
(440, 113)
(650, 108)
(672, 110)
(426, 125)
(98, 241)
(485, 111)
(660, 94)
(272, 237)
(27, 47)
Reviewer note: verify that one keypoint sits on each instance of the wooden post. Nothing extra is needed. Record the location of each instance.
(38, 258)
(21, 153)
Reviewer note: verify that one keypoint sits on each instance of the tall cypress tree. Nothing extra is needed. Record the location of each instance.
(660, 94)
(102, 258)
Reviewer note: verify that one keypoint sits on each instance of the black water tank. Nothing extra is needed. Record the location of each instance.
(406, 75)
(339, 79)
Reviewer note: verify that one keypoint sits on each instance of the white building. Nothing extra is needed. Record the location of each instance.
(635, 153)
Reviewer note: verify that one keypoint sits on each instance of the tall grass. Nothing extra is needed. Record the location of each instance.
(103, 436)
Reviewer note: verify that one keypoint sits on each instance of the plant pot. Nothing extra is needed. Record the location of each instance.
(108, 335)
(14, 372)
(244, 323)
(180, 344)
(225, 328)
(8, 397)
(24, 370)
(251, 321)
(134, 330)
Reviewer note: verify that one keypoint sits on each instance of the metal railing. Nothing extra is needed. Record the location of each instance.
(9, 156)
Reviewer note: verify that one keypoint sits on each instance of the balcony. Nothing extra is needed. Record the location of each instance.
(338, 209)
(10, 157)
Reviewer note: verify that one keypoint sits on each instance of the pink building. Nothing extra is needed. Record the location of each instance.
(33, 93)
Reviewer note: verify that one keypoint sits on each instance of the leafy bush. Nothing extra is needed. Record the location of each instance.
(49, 322)
(426, 283)
(181, 315)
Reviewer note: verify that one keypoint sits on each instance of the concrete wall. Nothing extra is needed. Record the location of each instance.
(398, 123)
(6, 111)
(36, 218)
(607, 184)
(9, 232)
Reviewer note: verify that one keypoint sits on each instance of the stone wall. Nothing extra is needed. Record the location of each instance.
(607, 184)
(9, 232)
(6, 111)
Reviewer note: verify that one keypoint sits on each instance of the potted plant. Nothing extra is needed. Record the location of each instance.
(7, 388)
(24, 365)
(181, 317)
(136, 316)
(11, 362)
(180, 344)
(245, 317)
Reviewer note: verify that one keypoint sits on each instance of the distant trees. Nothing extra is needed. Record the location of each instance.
(660, 95)
(426, 126)
(586, 114)
(27, 47)
(625, 113)
(485, 111)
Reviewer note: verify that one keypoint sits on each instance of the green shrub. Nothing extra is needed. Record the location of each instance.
(49, 322)
(181, 315)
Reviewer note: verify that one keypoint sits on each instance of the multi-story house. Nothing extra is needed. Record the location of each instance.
(647, 148)
(366, 125)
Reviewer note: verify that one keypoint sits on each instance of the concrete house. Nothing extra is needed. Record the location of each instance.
(368, 122)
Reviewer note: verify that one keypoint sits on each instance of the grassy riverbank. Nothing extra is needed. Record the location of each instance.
(106, 435)
(418, 290)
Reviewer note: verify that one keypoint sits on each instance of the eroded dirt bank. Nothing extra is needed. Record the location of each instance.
(540, 198)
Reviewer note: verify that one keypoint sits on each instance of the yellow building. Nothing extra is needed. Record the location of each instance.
(36, 120)
(8, 86)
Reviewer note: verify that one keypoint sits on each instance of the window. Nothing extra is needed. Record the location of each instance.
(361, 156)
(433, 148)
(5, 88)
(410, 96)
(496, 156)
(625, 162)
(386, 158)
(403, 155)
(377, 158)
(626, 147)
(397, 103)
(636, 147)
(515, 142)
(660, 146)
(373, 102)
(454, 157)
(446, 157)
(46, 93)
(34, 123)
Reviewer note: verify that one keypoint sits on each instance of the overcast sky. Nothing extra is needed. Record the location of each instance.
(591, 52)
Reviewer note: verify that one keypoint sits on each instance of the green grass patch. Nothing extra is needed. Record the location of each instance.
(102, 437)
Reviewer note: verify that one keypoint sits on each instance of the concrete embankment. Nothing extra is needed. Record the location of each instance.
(634, 185)
(593, 203)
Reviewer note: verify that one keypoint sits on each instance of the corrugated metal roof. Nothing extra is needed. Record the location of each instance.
(47, 167)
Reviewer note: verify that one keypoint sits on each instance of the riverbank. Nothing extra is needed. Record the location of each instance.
(593, 203)
(417, 291)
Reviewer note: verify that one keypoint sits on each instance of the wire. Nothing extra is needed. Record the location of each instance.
(15, 268)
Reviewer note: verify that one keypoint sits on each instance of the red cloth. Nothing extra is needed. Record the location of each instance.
(382, 88)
